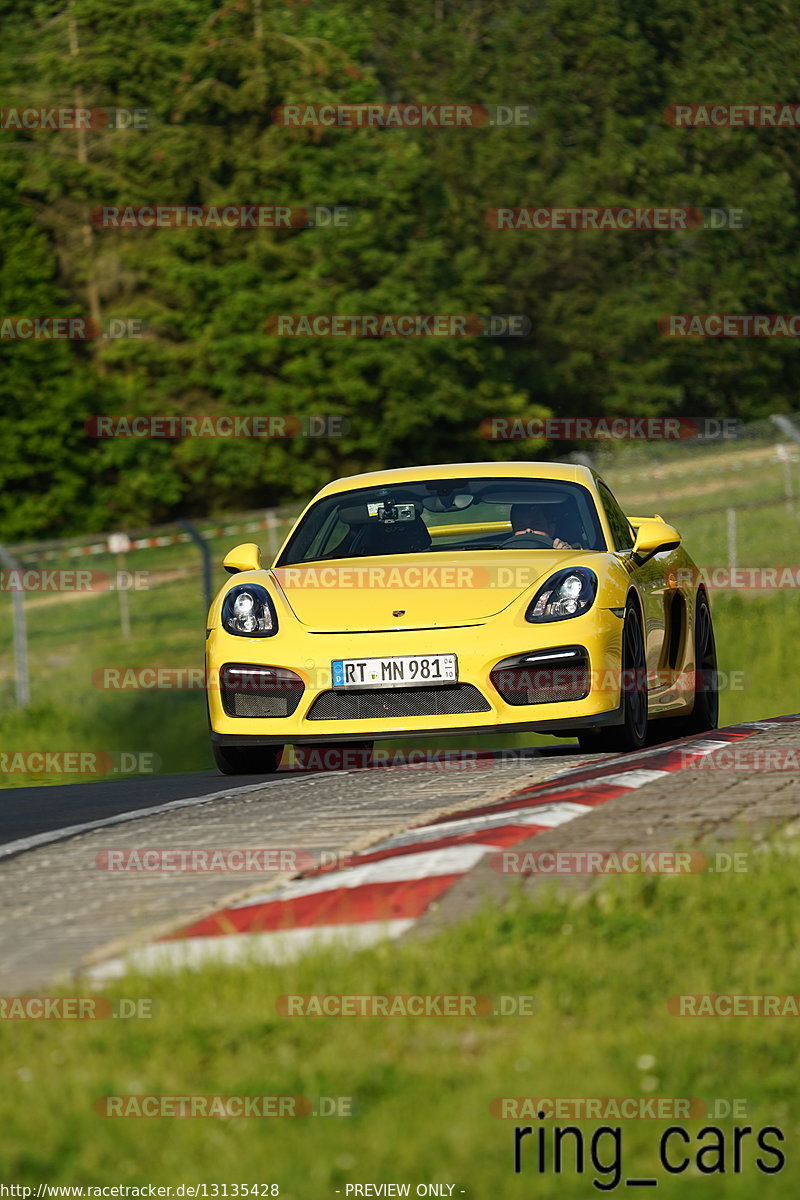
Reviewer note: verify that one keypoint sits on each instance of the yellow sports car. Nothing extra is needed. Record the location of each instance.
(465, 598)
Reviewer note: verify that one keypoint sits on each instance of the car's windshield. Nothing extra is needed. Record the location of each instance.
(447, 515)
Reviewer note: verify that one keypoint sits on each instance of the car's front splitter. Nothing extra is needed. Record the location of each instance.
(563, 727)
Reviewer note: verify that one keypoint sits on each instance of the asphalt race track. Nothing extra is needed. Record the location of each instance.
(32, 811)
(63, 909)
(57, 906)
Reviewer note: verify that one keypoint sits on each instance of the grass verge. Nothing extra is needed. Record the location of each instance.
(600, 970)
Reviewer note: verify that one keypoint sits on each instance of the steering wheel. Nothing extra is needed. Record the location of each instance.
(529, 541)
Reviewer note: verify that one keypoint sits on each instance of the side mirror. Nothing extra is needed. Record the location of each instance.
(246, 557)
(654, 536)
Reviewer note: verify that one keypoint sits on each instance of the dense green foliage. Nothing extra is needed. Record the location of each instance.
(599, 78)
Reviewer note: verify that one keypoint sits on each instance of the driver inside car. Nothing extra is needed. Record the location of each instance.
(533, 519)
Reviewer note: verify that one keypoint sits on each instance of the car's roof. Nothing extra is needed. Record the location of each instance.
(570, 472)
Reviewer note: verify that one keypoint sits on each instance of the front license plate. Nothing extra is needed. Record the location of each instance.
(406, 670)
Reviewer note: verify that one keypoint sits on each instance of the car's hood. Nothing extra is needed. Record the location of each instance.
(413, 591)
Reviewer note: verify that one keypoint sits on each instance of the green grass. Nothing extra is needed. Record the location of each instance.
(755, 637)
(600, 972)
(72, 639)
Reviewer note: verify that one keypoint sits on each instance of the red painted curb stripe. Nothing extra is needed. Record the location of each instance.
(339, 906)
(498, 835)
(410, 898)
(565, 788)
(588, 796)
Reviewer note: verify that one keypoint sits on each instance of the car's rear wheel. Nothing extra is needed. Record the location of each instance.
(705, 714)
(631, 734)
(246, 760)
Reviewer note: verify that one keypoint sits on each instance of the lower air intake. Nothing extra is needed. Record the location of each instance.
(529, 684)
(249, 691)
(378, 703)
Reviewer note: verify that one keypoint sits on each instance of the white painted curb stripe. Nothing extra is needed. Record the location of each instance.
(283, 946)
(268, 948)
(547, 815)
(453, 860)
(702, 748)
(636, 778)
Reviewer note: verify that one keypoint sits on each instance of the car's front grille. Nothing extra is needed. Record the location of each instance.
(542, 682)
(249, 691)
(379, 703)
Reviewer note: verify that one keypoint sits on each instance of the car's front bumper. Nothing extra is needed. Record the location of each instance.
(479, 649)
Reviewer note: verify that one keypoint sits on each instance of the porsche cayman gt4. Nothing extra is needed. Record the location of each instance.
(466, 598)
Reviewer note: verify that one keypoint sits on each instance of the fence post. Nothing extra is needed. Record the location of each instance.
(731, 521)
(20, 634)
(787, 483)
(120, 544)
(790, 429)
(273, 539)
(786, 426)
(785, 458)
(202, 545)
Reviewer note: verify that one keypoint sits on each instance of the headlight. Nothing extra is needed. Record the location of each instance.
(566, 594)
(247, 611)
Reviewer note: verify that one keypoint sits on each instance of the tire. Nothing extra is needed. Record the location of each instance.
(632, 733)
(334, 756)
(705, 714)
(246, 760)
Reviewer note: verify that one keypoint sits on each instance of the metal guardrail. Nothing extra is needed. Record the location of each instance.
(18, 560)
(166, 535)
(20, 636)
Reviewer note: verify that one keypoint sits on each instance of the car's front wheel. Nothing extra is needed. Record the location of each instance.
(246, 760)
(631, 734)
